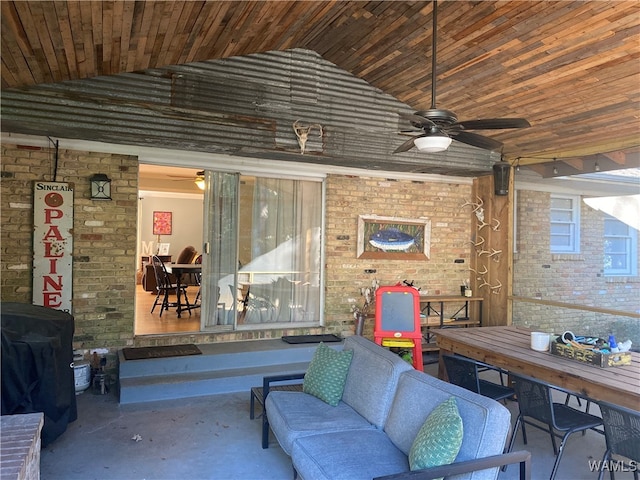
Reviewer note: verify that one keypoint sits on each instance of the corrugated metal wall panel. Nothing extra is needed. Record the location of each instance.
(240, 106)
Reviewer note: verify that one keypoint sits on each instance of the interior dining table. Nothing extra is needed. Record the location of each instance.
(179, 270)
(509, 348)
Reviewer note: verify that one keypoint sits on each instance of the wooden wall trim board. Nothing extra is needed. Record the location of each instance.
(573, 306)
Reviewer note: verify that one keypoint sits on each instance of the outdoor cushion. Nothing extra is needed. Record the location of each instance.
(439, 439)
(297, 414)
(366, 400)
(327, 374)
(486, 422)
(372, 379)
(355, 455)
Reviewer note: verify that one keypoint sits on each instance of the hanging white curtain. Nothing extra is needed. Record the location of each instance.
(219, 280)
(285, 251)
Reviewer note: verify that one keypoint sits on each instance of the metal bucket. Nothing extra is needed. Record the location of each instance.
(82, 376)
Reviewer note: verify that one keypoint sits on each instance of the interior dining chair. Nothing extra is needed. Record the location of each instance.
(558, 419)
(464, 372)
(622, 433)
(165, 286)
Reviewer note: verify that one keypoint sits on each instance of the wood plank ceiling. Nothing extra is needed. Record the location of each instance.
(572, 68)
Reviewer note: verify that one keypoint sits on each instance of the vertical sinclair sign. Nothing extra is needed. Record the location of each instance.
(53, 245)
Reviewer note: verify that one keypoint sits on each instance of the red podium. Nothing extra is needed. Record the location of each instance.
(397, 322)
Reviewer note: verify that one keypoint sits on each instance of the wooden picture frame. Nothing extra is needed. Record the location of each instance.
(393, 238)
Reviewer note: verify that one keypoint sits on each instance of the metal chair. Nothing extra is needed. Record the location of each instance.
(622, 433)
(464, 373)
(164, 286)
(559, 420)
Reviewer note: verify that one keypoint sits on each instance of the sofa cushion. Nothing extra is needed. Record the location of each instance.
(351, 455)
(296, 414)
(372, 379)
(439, 439)
(486, 422)
(327, 373)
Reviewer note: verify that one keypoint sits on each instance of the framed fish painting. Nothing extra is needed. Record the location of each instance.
(393, 238)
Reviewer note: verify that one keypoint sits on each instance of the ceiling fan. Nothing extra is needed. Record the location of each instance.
(439, 125)
(198, 179)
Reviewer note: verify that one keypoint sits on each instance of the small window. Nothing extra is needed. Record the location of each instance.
(620, 248)
(565, 224)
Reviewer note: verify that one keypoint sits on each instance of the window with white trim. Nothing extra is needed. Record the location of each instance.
(565, 224)
(620, 248)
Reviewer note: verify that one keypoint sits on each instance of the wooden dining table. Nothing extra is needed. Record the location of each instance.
(180, 269)
(509, 348)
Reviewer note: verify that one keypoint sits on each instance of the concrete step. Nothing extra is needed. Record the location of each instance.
(222, 368)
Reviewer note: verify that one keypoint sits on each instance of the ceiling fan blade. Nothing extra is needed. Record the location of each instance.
(494, 123)
(476, 140)
(406, 146)
(417, 121)
(437, 121)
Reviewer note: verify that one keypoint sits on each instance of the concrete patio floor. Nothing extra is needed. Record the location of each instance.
(213, 438)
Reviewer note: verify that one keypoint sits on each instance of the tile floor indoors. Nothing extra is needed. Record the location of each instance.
(213, 438)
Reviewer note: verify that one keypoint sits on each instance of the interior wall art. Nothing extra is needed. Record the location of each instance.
(162, 223)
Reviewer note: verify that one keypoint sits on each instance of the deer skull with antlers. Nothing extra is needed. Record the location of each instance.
(302, 132)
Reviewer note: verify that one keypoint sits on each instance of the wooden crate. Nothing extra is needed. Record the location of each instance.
(591, 357)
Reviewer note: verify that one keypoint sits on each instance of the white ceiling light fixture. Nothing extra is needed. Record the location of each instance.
(433, 141)
(199, 181)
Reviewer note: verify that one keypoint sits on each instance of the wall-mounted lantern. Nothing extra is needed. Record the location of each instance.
(501, 172)
(100, 187)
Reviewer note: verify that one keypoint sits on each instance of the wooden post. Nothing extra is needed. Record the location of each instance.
(492, 260)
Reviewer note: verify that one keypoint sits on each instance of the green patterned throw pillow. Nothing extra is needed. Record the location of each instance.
(327, 374)
(439, 439)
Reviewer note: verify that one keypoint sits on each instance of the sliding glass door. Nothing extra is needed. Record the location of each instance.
(262, 262)
(220, 249)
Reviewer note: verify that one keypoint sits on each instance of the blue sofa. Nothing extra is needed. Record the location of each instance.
(370, 432)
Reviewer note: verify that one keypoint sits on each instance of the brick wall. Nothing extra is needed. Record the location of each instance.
(20, 445)
(104, 238)
(569, 278)
(348, 197)
(104, 263)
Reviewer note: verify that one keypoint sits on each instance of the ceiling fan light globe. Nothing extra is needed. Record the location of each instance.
(432, 143)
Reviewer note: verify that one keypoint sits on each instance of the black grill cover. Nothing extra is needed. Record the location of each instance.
(37, 370)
